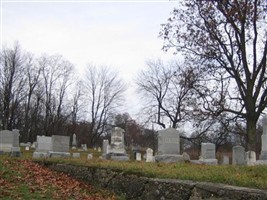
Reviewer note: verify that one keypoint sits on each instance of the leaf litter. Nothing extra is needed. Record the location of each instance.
(24, 179)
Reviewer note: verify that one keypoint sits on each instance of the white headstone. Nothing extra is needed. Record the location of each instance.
(99, 149)
(105, 147)
(74, 140)
(207, 151)
(251, 158)
(149, 155)
(76, 155)
(225, 160)
(90, 156)
(84, 147)
(117, 141)
(208, 154)
(138, 156)
(238, 155)
(27, 148)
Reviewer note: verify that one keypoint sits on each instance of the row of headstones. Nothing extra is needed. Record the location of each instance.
(54, 146)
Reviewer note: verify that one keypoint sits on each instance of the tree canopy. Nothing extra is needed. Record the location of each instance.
(227, 41)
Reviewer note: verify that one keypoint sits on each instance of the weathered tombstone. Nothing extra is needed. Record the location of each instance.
(84, 147)
(74, 141)
(105, 147)
(238, 155)
(263, 155)
(117, 150)
(208, 154)
(138, 156)
(169, 146)
(90, 156)
(250, 158)
(33, 145)
(76, 155)
(15, 152)
(6, 140)
(15, 137)
(117, 141)
(60, 146)
(60, 143)
(43, 145)
(99, 149)
(186, 157)
(225, 160)
(149, 155)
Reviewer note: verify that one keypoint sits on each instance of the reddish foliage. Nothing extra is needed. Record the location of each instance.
(43, 180)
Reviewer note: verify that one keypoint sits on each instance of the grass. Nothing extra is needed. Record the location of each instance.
(246, 176)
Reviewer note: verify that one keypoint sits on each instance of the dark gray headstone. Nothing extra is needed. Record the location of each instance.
(168, 142)
(238, 155)
(60, 143)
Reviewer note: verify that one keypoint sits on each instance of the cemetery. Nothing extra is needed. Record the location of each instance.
(153, 174)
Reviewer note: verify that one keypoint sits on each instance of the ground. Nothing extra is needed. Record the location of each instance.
(24, 179)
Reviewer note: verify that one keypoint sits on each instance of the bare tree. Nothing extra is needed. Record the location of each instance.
(168, 89)
(103, 90)
(228, 36)
(12, 82)
(55, 76)
(32, 80)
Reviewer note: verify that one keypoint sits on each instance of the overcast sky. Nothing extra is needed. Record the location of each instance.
(119, 34)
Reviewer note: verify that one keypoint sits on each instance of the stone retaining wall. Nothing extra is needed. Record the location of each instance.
(137, 187)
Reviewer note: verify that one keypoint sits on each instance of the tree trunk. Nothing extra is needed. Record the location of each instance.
(251, 135)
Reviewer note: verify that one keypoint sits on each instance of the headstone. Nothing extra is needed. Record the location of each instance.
(99, 149)
(33, 145)
(168, 141)
(60, 143)
(42, 145)
(15, 137)
(149, 155)
(225, 160)
(15, 152)
(60, 147)
(263, 155)
(186, 157)
(169, 146)
(84, 147)
(208, 154)
(238, 155)
(76, 155)
(138, 156)
(117, 141)
(74, 140)
(250, 158)
(6, 140)
(117, 150)
(52, 154)
(105, 147)
(90, 156)
(27, 148)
